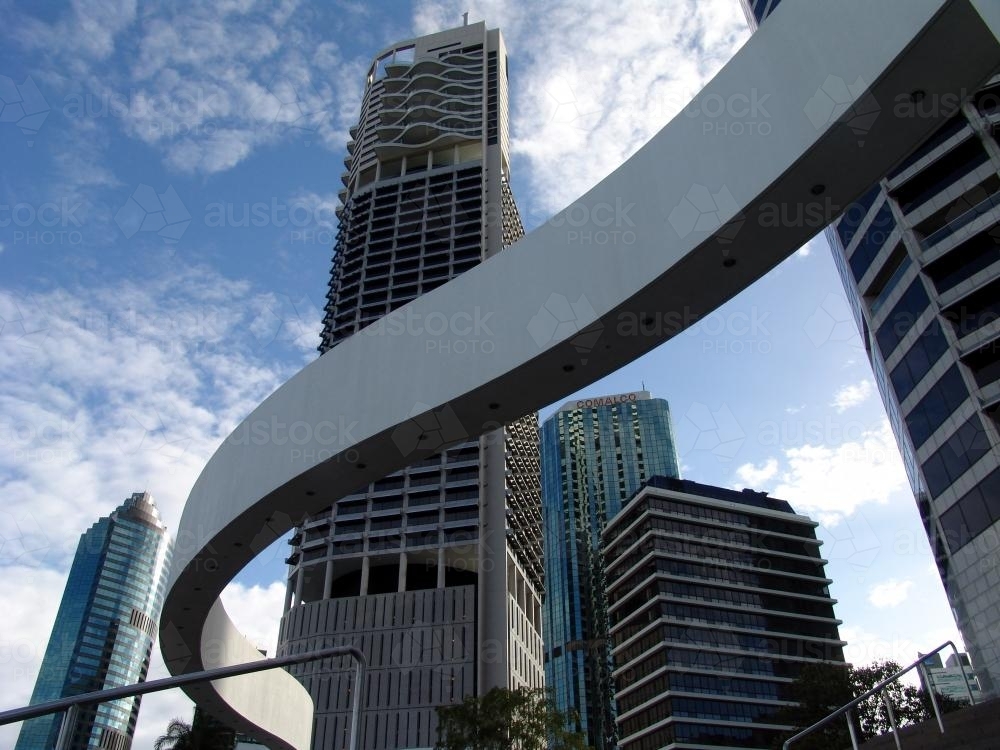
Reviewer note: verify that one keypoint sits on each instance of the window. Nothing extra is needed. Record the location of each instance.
(874, 238)
(956, 456)
(902, 317)
(934, 408)
(918, 361)
(851, 219)
(897, 266)
(973, 514)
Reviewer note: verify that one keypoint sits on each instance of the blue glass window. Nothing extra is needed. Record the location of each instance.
(851, 219)
(963, 449)
(873, 240)
(918, 361)
(934, 408)
(902, 317)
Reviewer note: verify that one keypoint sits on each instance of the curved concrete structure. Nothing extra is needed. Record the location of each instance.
(681, 227)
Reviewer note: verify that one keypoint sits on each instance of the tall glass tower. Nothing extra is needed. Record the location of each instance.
(596, 453)
(919, 257)
(434, 571)
(104, 631)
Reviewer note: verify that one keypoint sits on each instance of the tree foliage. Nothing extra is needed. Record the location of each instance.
(197, 736)
(502, 719)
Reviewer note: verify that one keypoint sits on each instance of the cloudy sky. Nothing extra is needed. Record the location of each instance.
(169, 173)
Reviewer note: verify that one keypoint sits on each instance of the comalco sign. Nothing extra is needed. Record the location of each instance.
(593, 403)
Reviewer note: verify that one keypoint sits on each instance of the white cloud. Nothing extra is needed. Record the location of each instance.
(852, 395)
(204, 83)
(841, 469)
(596, 79)
(256, 610)
(110, 390)
(889, 593)
(754, 476)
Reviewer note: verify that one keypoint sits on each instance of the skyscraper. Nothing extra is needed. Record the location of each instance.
(596, 453)
(104, 631)
(717, 600)
(919, 257)
(435, 571)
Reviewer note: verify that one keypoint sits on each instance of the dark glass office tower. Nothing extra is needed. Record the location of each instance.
(717, 600)
(596, 453)
(104, 631)
(434, 571)
(919, 257)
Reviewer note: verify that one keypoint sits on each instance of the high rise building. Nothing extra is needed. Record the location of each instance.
(717, 600)
(955, 679)
(596, 453)
(104, 631)
(435, 571)
(919, 257)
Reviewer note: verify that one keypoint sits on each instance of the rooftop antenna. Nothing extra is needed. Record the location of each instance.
(465, 18)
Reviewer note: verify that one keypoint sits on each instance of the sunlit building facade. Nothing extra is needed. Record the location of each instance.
(435, 572)
(716, 599)
(596, 453)
(105, 628)
(919, 257)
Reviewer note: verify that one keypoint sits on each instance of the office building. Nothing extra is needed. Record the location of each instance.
(105, 627)
(435, 572)
(596, 453)
(919, 257)
(717, 599)
(955, 679)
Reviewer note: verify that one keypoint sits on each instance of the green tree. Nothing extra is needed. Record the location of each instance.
(502, 719)
(819, 690)
(199, 735)
(178, 737)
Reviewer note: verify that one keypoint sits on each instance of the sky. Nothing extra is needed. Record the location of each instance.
(168, 176)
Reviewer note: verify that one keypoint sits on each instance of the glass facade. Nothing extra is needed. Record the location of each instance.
(595, 454)
(919, 257)
(716, 600)
(105, 628)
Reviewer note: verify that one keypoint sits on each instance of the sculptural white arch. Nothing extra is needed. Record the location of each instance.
(694, 200)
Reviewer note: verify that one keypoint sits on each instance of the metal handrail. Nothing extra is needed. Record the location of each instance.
(71, 703)
(848, 708)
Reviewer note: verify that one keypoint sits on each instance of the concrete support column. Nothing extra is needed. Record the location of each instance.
(300, 578)
(364, 575)
(328, 580)
(288, 595)
(441, 563)
(494, 656)
(402, 572)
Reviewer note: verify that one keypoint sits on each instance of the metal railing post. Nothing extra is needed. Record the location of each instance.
(356, 701)
(933, 696)
(67, 727)
(852, 730)
(965, 677)
(892, 719)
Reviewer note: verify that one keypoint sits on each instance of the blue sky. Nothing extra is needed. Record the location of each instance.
(169, 174)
